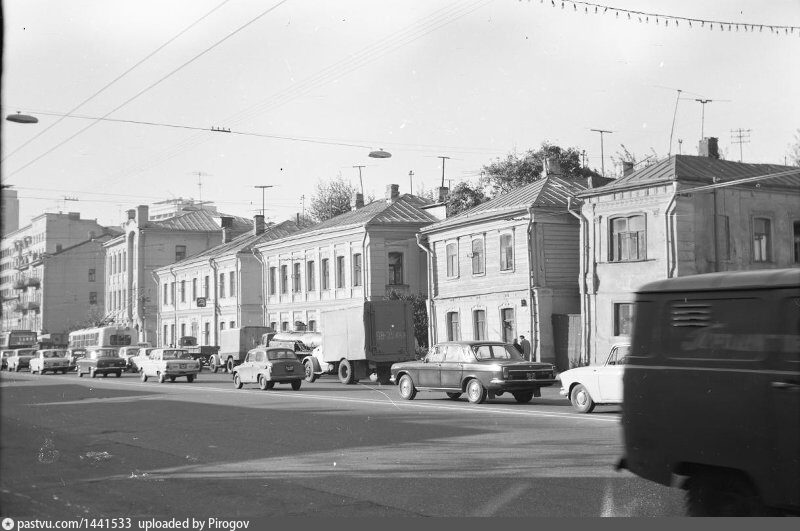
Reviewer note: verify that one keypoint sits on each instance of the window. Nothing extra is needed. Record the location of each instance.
(762, 240)
(273, 280)
(183, 329)
(506, 252)
(172, 292)
(232, 324)
(124, 260)
(183, 291)
(296, 277)
(166, 293)
(206, 292)
(325, 274)
(451, 252)
(623, 319)
(311, 284)
(180, 252)
(340, 271)
(285, 326)
(92, 275)
(284, 279)
(628, 239)
(507, 321)
(312, 325)
(452, 326)
(395, 269)
(797, 242)
(357, 269)
(479, 324)
(273, 325)
(222, 285)
(92, 297)
(166, 332)
(222, 325)
(172, 334)
(194, 289)
(477, 257)
(232, 284)
(207, 334)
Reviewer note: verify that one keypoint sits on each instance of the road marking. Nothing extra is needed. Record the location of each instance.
(507, 496)
(451, 407)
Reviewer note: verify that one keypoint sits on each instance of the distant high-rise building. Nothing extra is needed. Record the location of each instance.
(10, 209)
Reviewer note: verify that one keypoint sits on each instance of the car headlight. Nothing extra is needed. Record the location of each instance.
(505, 373)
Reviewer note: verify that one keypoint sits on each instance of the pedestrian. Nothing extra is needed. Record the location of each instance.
(517, 345)
(526, 347)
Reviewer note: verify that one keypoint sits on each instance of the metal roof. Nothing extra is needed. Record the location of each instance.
(765, 278)
(700, 170)
(549, 192)
(201, 221)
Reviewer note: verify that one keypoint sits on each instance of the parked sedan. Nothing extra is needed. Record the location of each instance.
(163, 363)
(142, 356)
(54, 360)
(588, 386)
(127, 353)
(101, 361)
(268, 366)
(73, 355)
(4, 355)
(20, 359)
(479, 368)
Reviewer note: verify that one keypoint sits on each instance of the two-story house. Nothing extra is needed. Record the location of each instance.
(219, 288)
(503, 268)
(682, 216)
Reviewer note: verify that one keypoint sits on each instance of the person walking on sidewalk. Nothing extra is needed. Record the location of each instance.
(526, 347)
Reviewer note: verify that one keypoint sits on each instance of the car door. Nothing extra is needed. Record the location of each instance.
(452, 366)
(429, 369)
(245, 369)
(609, 376)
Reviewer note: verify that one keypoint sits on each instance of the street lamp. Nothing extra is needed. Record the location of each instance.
(380, 154)
(22, 118)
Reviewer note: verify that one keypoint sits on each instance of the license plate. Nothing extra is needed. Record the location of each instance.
(183, 365)
(531, 376)
(289, 368)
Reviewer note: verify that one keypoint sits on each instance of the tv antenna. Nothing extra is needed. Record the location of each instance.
(740, 136)
(200, 175)
(359, 178)
(443, 160)
(602, 154)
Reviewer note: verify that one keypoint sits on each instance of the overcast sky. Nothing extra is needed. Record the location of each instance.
(471, 80)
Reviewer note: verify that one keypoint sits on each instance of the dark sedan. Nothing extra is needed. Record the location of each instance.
(480, 369)
(101, 361)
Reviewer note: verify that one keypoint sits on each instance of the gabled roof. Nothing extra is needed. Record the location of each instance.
(201, 221)
(700, 170)
(406, 209)
(549, 192)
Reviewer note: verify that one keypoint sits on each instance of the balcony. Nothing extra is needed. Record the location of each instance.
(20, 308)
(34, 282)
(20, 284)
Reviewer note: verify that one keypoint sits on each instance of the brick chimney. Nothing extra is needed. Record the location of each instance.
(709, 148)
(392, 193)
(443, 192)
(552, 167)
(357, 201)
(258, 224)
(226, 222)
(142, 212)
(627, 168)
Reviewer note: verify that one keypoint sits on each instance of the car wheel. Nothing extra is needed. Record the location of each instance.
(476, 392)
(407, 389)
(581, 399)
(714, 493)
(346, 372)
(190, 378)
(453, 396)
(237, 381)
(143, 377)
(270, 385)
(171, 378)
(212, 366)
(523, 397)
(309, 368)
(262, 382)
(296, 385)
(92, 372)
(229, 365)
(161, 377)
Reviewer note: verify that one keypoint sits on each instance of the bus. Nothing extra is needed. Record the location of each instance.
(14, 339)
(103, 336)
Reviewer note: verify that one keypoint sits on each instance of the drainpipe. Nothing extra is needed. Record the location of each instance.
(533, 292)
(213, 265)
(264, 279)
(175, 303)
(716, 232)
(669, 220)
(158, 306)
(238, 291)
(431, 308)
(584, 265)
(364, 268)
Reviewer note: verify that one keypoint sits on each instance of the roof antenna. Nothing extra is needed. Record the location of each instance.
(672, 131)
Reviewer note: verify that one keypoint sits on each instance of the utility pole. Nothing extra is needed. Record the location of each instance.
(200, 174)
(702, 115)
(411, 182)
(361, 182)
(65, 199)
(602, 153)
(740, 136)
(263, 187)
(443, 160)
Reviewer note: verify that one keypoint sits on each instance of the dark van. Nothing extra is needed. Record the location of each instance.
(712, 391)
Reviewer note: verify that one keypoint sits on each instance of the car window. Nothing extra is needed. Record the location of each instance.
(495, 352)
(251, 357)
(50, 354)
(281, 355)
(106, 353)
(453, 353)
(436, 354)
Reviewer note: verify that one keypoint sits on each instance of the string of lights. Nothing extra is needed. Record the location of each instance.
(659, 18)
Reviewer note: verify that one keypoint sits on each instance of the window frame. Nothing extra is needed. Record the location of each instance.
(616, 319)
(615, 244)
(453, 332)
(451, 268)
(481, 256)
(325, 274)
(284, 279)
(357, 269)
(507, 263)
(767, 247)
(311, 283)
(180, 253)
(297, 268)
(395, 270)
(479, 326)
(273, 280)
(340, 275)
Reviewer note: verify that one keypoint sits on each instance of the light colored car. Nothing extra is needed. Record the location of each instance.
(585, 387)
(142, 356)
(4, 355)
(163, 363)
(127, 353)
(20, 359)
(53, 360)
(267, 366)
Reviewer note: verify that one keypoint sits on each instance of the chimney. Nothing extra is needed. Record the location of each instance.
(142, 212)
(392, 193)
(553, 167)
(132, 213)
(358, 201)
(226, 223)
(443, 192)
(258, 224)
(709, 148)
(627, 168)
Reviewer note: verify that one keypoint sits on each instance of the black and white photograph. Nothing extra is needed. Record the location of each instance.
(273, 261)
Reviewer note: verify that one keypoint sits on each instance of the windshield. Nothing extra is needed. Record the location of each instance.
(54, 354)
(175, 355)
(281, 355)
(496, 352)
(105, 353)
(26, 352)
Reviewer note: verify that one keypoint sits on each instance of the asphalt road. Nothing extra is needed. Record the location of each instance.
(111, 447)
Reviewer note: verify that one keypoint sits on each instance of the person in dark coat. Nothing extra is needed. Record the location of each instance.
(517, 345)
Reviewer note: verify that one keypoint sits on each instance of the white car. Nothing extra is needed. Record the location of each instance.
(588, 386)
(53, 360)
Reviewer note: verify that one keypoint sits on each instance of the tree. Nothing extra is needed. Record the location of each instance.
(462, 197)
(331, 198)
(794, 150)
(503, 175)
